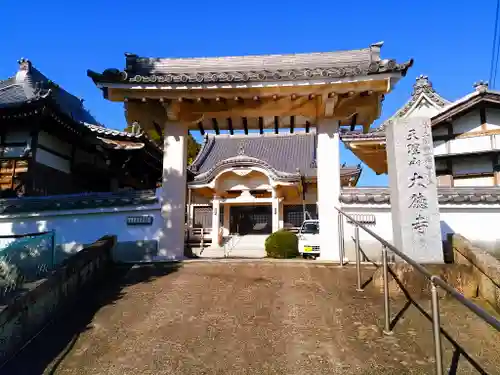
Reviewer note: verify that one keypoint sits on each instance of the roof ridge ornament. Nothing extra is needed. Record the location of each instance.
(241, 149)
(24, 64)
(481, 86)
(422, 83)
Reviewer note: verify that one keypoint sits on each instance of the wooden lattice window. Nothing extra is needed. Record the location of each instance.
(202, 217)
(11, 171)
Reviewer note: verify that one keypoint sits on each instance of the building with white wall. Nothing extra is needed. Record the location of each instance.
(466, 135)
(50, 144)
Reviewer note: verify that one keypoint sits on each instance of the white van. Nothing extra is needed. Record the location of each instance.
(309, 239)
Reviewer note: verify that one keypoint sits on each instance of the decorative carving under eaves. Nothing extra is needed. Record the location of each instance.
(144, 114)
(242, 172)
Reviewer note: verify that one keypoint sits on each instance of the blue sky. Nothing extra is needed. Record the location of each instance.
(450, 43)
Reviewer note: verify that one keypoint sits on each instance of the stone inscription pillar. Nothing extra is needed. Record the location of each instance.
(413, 185)
(173, 199)
(328, 161)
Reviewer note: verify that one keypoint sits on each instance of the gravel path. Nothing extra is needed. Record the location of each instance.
(242, 318)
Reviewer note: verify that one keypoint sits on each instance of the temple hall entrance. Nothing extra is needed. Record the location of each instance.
(251, 220)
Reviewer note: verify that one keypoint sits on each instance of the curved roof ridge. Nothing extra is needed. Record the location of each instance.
(249, 56)
(30, 84)
(481, 90)
(422, 89)
(113, 132)
(253, 68)
(258, 135)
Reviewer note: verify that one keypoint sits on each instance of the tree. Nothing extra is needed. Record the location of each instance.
(193, 147)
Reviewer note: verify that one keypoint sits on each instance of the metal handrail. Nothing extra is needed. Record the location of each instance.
(391, 247)
(488, 318)
(435, 281)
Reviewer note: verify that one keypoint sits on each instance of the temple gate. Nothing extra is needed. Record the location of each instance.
(270, 92)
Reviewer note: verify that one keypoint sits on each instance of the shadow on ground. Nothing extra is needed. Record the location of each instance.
(46, 352)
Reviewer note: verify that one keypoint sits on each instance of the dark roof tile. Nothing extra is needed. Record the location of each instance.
(253, 67)
(457, 195)
(286, 153)
(77, 201)
(29, 84)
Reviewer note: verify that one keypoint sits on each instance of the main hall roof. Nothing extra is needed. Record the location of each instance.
(285, 153)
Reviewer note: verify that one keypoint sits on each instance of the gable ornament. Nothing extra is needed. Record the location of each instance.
(241, 149)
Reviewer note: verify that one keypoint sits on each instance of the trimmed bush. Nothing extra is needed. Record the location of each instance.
(282, 244)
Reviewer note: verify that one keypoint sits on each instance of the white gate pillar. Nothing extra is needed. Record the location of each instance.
(328, 169)
(173, 198)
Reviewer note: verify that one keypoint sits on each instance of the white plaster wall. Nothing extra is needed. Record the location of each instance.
(492, 119)
(440, 148)
(495, 141)
(477, 223)
(53, 161)
(423, 108)
(49, 159)
(54, 143)
(474, 181)
(468, 145)
(471, 122)
(76, 228)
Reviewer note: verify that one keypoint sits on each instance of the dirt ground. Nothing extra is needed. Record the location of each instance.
(253, 317)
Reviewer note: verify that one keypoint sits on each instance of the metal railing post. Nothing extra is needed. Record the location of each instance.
(436, 281)
(436, 328)
(341, 239)
(202, 240)
(387, 311)
(358, 262)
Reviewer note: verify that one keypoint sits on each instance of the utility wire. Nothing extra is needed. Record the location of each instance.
(494, 49)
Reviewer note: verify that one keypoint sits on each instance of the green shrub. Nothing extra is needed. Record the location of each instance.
(282, 244)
